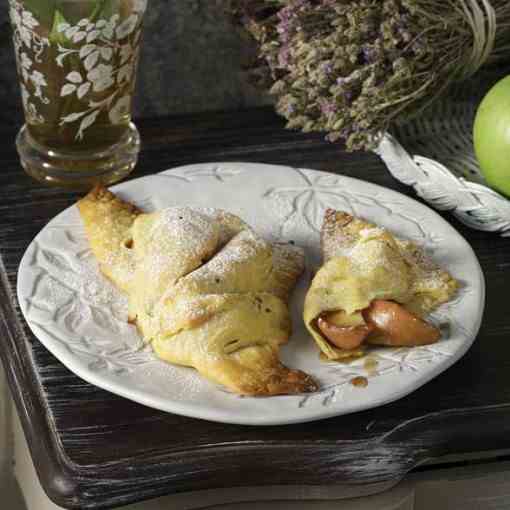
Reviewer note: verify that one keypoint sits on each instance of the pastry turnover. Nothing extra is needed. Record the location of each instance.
(204, 289)
(372, 289)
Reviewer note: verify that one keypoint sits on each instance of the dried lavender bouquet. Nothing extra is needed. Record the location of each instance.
(353, 67)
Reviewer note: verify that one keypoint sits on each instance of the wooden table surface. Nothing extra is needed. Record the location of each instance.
(93, 449)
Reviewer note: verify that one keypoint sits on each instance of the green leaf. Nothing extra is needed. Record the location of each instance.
(57, 36)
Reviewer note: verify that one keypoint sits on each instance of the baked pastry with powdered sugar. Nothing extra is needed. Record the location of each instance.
(204, 289)
(373, 288)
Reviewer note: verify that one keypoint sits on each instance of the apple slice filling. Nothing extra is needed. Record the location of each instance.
(382, 323)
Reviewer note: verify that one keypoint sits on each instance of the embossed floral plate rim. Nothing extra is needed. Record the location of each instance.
(281, 203)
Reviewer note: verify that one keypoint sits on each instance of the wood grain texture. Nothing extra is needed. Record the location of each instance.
(93, 449)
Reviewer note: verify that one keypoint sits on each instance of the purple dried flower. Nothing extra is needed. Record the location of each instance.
(345, 133)
(335, 61)
(369, 54)
(328, 107)
(283, 56)
(327, 67)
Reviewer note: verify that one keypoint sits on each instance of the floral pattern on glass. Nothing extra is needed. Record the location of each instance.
(29, 46)
(102, 54)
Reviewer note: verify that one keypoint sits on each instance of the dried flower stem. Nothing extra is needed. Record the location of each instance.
(351, 67)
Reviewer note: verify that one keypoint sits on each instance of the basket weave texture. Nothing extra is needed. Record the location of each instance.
(434, 154)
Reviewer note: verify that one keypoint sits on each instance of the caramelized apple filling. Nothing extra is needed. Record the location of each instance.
(382, 323)
(394, 325)
(346, 337)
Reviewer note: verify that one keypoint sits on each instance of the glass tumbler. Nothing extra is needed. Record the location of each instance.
(77, 63)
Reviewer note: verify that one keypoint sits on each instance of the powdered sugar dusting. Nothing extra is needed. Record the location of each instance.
(183, 223)
(427, 275)
(285, 254)
(91, 308)
(375, 247)
(252, 196)
(99, 291)
(80, 276)
(372, 232)
(229, 224)
(242, 248)
(186, 383)
(373, 254)
(179, 233)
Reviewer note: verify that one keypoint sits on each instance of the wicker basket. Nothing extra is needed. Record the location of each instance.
(434, 154)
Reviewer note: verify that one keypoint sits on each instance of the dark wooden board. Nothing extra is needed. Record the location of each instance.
(95, 450)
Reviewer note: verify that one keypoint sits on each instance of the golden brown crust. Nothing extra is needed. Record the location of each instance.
(244, 368)
(363, 263)
(108, 222)
(218, 302)
(335, 233)
(288, 266)
(279, 380)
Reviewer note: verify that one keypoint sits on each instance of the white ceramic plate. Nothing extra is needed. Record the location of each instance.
(81, 318)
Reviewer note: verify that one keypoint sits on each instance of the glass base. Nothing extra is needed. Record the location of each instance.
(77, 171)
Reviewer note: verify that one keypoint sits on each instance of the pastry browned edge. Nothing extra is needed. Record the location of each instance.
(204, 289)
(373, 288)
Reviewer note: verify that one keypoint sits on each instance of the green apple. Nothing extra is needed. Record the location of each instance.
(492, 136)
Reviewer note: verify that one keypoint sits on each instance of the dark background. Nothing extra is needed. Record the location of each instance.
(93, 449)
(191, 62)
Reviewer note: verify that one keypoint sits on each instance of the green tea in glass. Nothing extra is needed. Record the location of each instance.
(77, 63)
